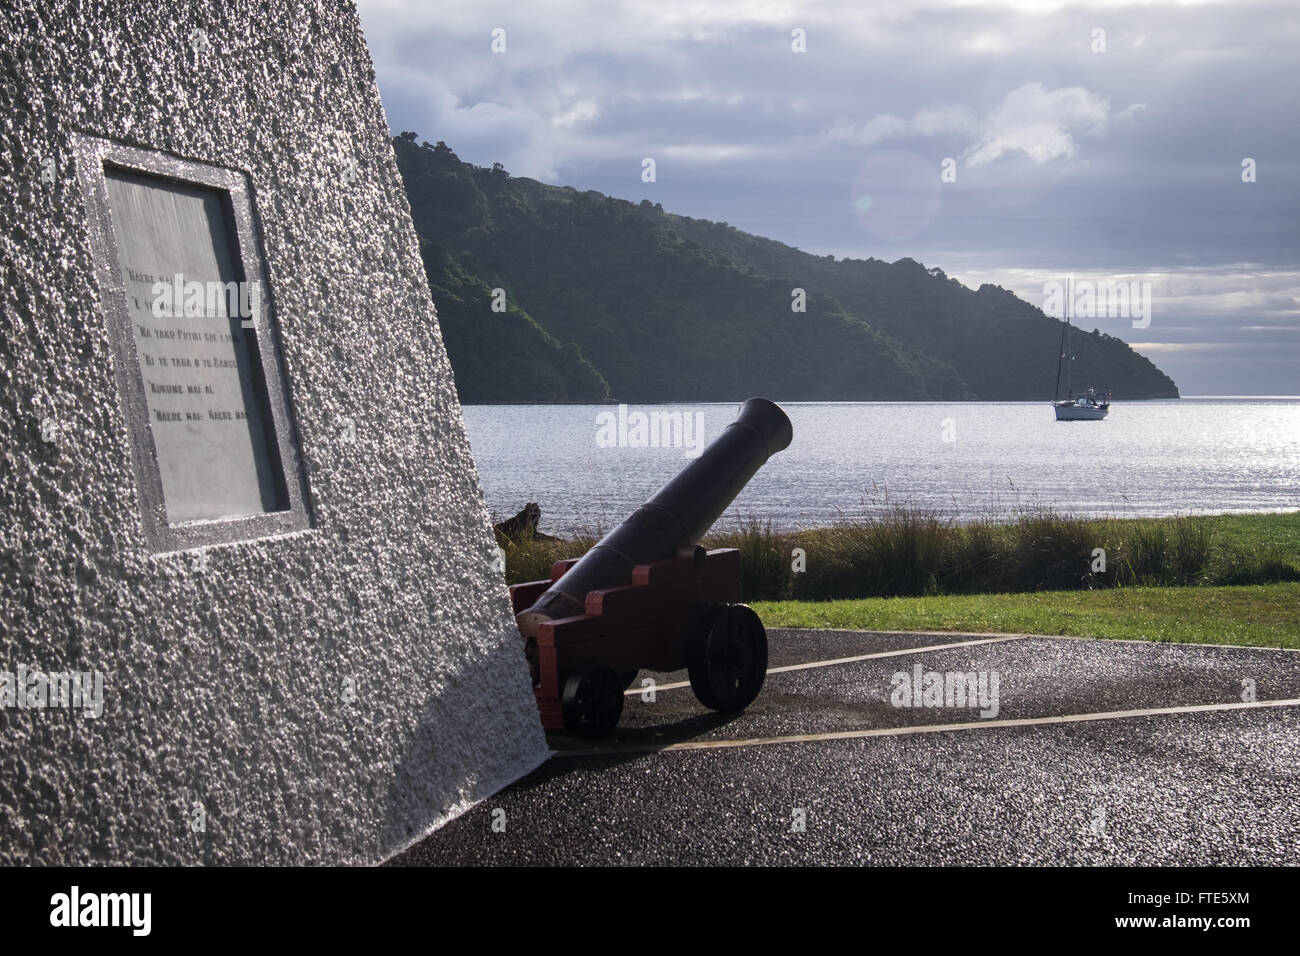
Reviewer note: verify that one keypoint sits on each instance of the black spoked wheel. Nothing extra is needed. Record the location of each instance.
(728, 657)
(592, 701)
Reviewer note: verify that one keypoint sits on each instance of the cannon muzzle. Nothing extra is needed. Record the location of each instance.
(674, 520)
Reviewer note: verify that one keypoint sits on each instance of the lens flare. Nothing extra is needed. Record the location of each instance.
(896, 194)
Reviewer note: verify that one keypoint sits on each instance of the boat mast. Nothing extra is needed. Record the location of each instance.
(1065, 344)
(1069, 359)
(1060, 357)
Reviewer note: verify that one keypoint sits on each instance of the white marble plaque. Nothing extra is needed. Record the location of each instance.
(192, 320)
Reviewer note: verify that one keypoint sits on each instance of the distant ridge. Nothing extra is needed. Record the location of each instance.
(609, 299)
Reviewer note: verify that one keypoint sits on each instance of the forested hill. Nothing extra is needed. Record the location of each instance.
(606, 298)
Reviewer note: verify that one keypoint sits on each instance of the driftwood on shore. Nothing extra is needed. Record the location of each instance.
(523, 525)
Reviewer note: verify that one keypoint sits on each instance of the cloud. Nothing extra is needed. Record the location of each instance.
(1225, 291)
(583, 111)
(930, 121)
(882, 127)
(709, 152)
(1031, 119)
(1040, 123)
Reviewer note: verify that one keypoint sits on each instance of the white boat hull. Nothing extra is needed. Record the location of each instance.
(1071, 412)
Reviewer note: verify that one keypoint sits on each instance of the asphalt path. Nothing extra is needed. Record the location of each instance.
(1071, 752)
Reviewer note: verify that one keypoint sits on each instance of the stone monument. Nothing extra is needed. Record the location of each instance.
(251, 609)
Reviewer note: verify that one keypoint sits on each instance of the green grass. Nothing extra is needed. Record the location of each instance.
(1263, 532)
(1266, 615)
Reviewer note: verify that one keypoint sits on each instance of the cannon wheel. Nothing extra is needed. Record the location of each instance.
(727, 658)
(592, 701)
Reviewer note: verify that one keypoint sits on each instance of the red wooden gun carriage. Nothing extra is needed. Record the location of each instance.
(648, 597)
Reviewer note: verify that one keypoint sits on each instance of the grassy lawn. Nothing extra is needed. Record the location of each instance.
(1265, 615)
(1261, 532)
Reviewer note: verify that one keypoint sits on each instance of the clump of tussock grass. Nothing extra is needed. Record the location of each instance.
(765, 572)
(1049, 551)
(529, 557)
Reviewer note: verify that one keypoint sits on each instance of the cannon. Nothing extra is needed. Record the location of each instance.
(647, 596)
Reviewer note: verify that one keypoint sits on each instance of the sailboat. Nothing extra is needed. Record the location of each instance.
(1090, 406)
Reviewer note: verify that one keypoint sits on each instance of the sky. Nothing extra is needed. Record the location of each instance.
(1007, 141)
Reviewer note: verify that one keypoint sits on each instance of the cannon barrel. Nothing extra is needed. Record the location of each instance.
(674, 520)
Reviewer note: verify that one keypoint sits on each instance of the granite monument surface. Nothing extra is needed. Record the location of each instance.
(250, 604)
